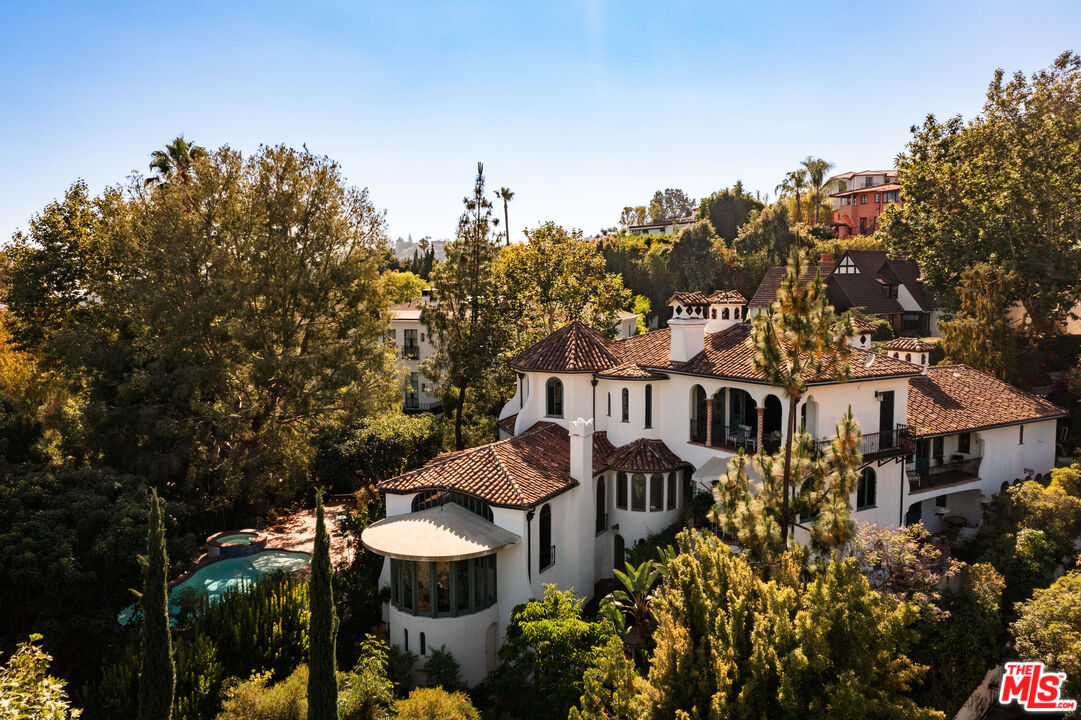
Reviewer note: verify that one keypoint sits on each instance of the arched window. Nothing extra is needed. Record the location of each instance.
(555, 398)
(602, 507)
(713, 313)
(908, 357)
(724, 313)
(547, 552)
(625, 396)
(609, 404)
(656, 492)
(621, 490)
(649, 406)
(865, 492)
(735, 313)
(698, 414)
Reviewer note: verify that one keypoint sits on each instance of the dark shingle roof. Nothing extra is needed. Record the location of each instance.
(860, 291)
(771, 283)
(909, 274)
(644, 455)
(571, 349)
(519, 472)
(957, 398)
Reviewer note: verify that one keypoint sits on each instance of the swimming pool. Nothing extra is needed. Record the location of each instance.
(218, 577)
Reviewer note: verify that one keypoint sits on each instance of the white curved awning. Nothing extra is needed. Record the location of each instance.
(447, 532)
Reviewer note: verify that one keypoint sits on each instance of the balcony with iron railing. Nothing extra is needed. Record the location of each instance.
(879, 445)
(410, 351)
(953, 472)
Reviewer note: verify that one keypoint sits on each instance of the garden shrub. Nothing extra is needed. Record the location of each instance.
(366, 692)
(436, 704)
(257, 699)
(442, 670)
(883, 331)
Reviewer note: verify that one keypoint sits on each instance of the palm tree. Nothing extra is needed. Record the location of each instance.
(506, 195)
(175, 161)
(816, 170)
(633, 598)
(794, 182)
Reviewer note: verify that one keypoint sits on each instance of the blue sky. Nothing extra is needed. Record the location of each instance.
(579, 107)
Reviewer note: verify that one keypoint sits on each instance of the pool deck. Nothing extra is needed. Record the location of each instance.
(296, 532)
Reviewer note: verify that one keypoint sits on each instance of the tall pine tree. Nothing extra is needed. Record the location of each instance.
(466, 320)
(795, 341)
(322, 627)
(157, 677)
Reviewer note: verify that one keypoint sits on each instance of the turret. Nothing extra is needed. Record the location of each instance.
(911, 350)
(726, 308)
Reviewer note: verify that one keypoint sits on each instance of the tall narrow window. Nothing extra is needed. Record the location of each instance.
(649, 406)
(609, 404)
(638, 492)
(625, 402)
(546, 554)
(621, 490)
(1021, 435)
(405, 636)
(866, 491)
(656, 492)
(423, 646)
(964, 443)
(554, 398)
(602, 507)
(673, 483)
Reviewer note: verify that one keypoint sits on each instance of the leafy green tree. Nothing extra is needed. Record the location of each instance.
(816, 174)
(466, 323)
(669, 204)
(1048, 629)
(613, 688)
(157, 673)
(547, 648)
(435, 704)
(640, 306)
(765, 240)
(198, 364)
(794, 342)
(729, 644)
(364, 452)
(28, 691)
(442, 670)
(322, 627)
(793, 185)
(552, 279)
(980, 335)
(1003, 188)
(637, 215)
(403, 286)
(175, 162)
(367, 692)
(506, 195)
(728, 210)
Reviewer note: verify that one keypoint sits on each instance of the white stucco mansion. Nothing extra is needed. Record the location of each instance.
(605, 441)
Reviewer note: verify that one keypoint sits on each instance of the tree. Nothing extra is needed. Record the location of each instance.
(1048, 629)
(817, 645)
(764, 241)
(28, 691)
(670, 204)
(637, 215)
(816, 172)
(466, 323)
(794, 341)
(633, 598)
(199, 364)
(175, 162)
(547, 648)
(757, 514)
(435, 704)
(980, 335)
(1003, 188)
(362, 453)
(794, 183)
(323, 626)
(403, 286)
(728, 209)
(157, 674)
(613, 688)
(506, 195)
(367, 693)
(552, 279)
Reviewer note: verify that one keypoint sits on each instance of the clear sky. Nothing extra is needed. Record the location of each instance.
(579, 107)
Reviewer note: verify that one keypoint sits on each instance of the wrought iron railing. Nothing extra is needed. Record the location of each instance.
(698, 430)
(878, 445)
(925, 478)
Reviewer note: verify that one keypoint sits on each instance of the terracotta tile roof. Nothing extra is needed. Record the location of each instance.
(644, 455)
(573, 348)
(727, 296)
(862, 325)
(908, 344)
(507, 423)
(649, 350)
(519, 472)
(692, 299)
(957, 398)
(631, 371)
(727, 355)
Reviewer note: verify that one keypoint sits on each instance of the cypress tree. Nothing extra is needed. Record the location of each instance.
(157, 676)
(322, 627)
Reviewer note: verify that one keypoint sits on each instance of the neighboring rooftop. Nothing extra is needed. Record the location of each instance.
(957, 398)
(908, 344)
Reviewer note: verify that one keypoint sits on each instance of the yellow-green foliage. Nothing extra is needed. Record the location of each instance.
(1048, 629)
(28, 691)
(257, 699)
(436, 704)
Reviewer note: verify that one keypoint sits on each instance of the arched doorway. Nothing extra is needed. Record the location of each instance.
(742, 409)
(771, 423)
(809, 417)
(914, 514)
(619, 556)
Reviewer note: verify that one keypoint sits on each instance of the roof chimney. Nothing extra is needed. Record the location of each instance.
(581, 437)
(687, 326)
(826, 260)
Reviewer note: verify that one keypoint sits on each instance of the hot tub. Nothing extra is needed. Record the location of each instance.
(235, 543)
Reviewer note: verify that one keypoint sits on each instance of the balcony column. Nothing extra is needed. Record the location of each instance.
(709, 421)
(761, 409)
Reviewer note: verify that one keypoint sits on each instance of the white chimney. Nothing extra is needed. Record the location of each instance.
(687, 326)
(581, 437)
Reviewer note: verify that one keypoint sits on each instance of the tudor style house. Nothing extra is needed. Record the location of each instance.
(605, 441)
(869, 282)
